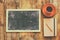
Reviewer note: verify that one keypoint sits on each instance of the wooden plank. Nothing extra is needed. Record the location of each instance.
(58, 20)
(4, 21)
(1, 21)
(1, 33)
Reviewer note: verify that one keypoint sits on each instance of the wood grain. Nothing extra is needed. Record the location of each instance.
(1, 21)
(10, 5)
(25, 4)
